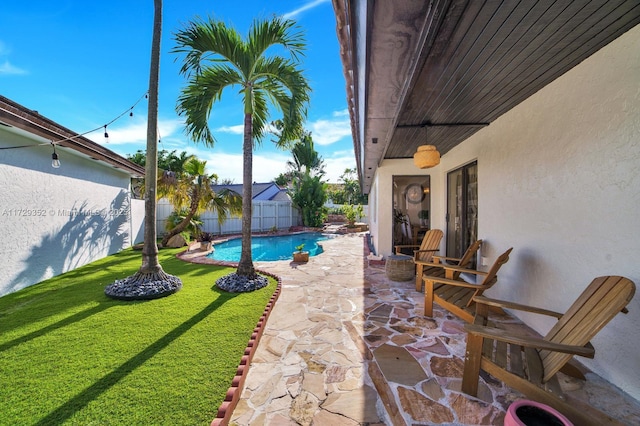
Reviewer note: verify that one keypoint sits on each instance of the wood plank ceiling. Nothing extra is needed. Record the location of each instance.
(436, 72)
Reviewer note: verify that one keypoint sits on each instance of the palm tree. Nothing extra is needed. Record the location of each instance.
(192, 191)
(150, 281)
(217, 58)
(305, 158)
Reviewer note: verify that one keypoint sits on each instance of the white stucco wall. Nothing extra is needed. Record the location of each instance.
(54, 220)
(559, 180)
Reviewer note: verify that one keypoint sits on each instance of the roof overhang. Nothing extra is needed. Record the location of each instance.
(15, 117)
(436, 72)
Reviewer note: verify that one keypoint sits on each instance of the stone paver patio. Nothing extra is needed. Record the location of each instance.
(344, 345)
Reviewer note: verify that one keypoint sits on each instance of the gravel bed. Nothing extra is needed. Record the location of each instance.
(235, 283)
(133, 288)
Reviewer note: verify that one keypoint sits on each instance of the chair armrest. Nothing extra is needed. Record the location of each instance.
(512, 305)
(422, 262)
(462, 270)
(398, 247)
(454, 282)
(452, 259)
(528, 341)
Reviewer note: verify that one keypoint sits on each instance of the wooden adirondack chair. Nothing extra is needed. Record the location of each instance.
(456, 295)
(429, 246)
(529, 364)
(436, 267)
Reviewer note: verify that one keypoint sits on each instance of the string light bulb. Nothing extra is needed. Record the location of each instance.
(106, 135)
(55, 161)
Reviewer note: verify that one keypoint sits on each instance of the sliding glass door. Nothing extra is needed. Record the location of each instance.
(462, 209)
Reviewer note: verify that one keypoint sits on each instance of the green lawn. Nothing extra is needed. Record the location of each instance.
(70, 355)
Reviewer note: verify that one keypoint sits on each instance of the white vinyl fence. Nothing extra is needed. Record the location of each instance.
(267, 215)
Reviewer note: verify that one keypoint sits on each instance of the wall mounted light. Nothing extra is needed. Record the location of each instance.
(55, 162)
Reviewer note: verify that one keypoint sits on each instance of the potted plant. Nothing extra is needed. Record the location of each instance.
(205, 239)
(300, 256)
(423, 215)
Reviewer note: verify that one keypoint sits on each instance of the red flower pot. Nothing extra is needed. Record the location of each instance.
(530, 413)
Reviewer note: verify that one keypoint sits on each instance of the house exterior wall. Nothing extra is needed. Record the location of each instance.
(55, 220)
(558, 180)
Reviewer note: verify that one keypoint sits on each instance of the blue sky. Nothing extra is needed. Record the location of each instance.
(83, 63)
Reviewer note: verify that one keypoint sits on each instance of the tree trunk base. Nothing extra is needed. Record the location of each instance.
(144, 286)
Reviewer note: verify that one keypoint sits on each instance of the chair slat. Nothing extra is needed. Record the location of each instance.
(534, 365)
(515, 360)
(501, 354)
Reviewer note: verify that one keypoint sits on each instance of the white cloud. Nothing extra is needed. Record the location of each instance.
(326, 132)
(234, 130)
(307, 6)
(7, 69)
(266, 166)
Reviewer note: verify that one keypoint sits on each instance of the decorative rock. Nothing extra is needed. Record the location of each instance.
(235, 283)
(176, 241)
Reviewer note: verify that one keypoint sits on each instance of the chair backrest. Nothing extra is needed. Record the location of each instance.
(596, 306)
(492, 274)
(467, 257)
(430, 242)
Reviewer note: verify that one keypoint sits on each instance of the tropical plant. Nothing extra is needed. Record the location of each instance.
(206, 237)
(306, 159)
(309, 195)
(300, 248)
(192, 191)
(217, 58)
(352, 212)
(177, 216)
(168, 161)
(150, 272)
(348, 192)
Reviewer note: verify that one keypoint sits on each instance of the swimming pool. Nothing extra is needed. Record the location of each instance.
(271, 247)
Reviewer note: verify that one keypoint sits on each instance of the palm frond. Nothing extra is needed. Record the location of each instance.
(196, 100)
(204, 41)
(277, 31)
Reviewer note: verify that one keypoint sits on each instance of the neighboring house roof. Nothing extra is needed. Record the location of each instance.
(261, 191)
(17, 118)
(435, 73)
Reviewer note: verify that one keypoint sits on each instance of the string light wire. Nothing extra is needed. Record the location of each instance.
(104, 126)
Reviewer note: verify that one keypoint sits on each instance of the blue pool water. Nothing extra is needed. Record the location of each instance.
(269, 248)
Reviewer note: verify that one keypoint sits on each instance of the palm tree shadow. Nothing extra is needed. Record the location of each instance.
(88, 235)
(60, 324)
(75, 404)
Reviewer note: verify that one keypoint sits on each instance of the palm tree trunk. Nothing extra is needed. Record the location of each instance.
(150, 282)
(193, 209)
(245, 266)
(150, 263)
